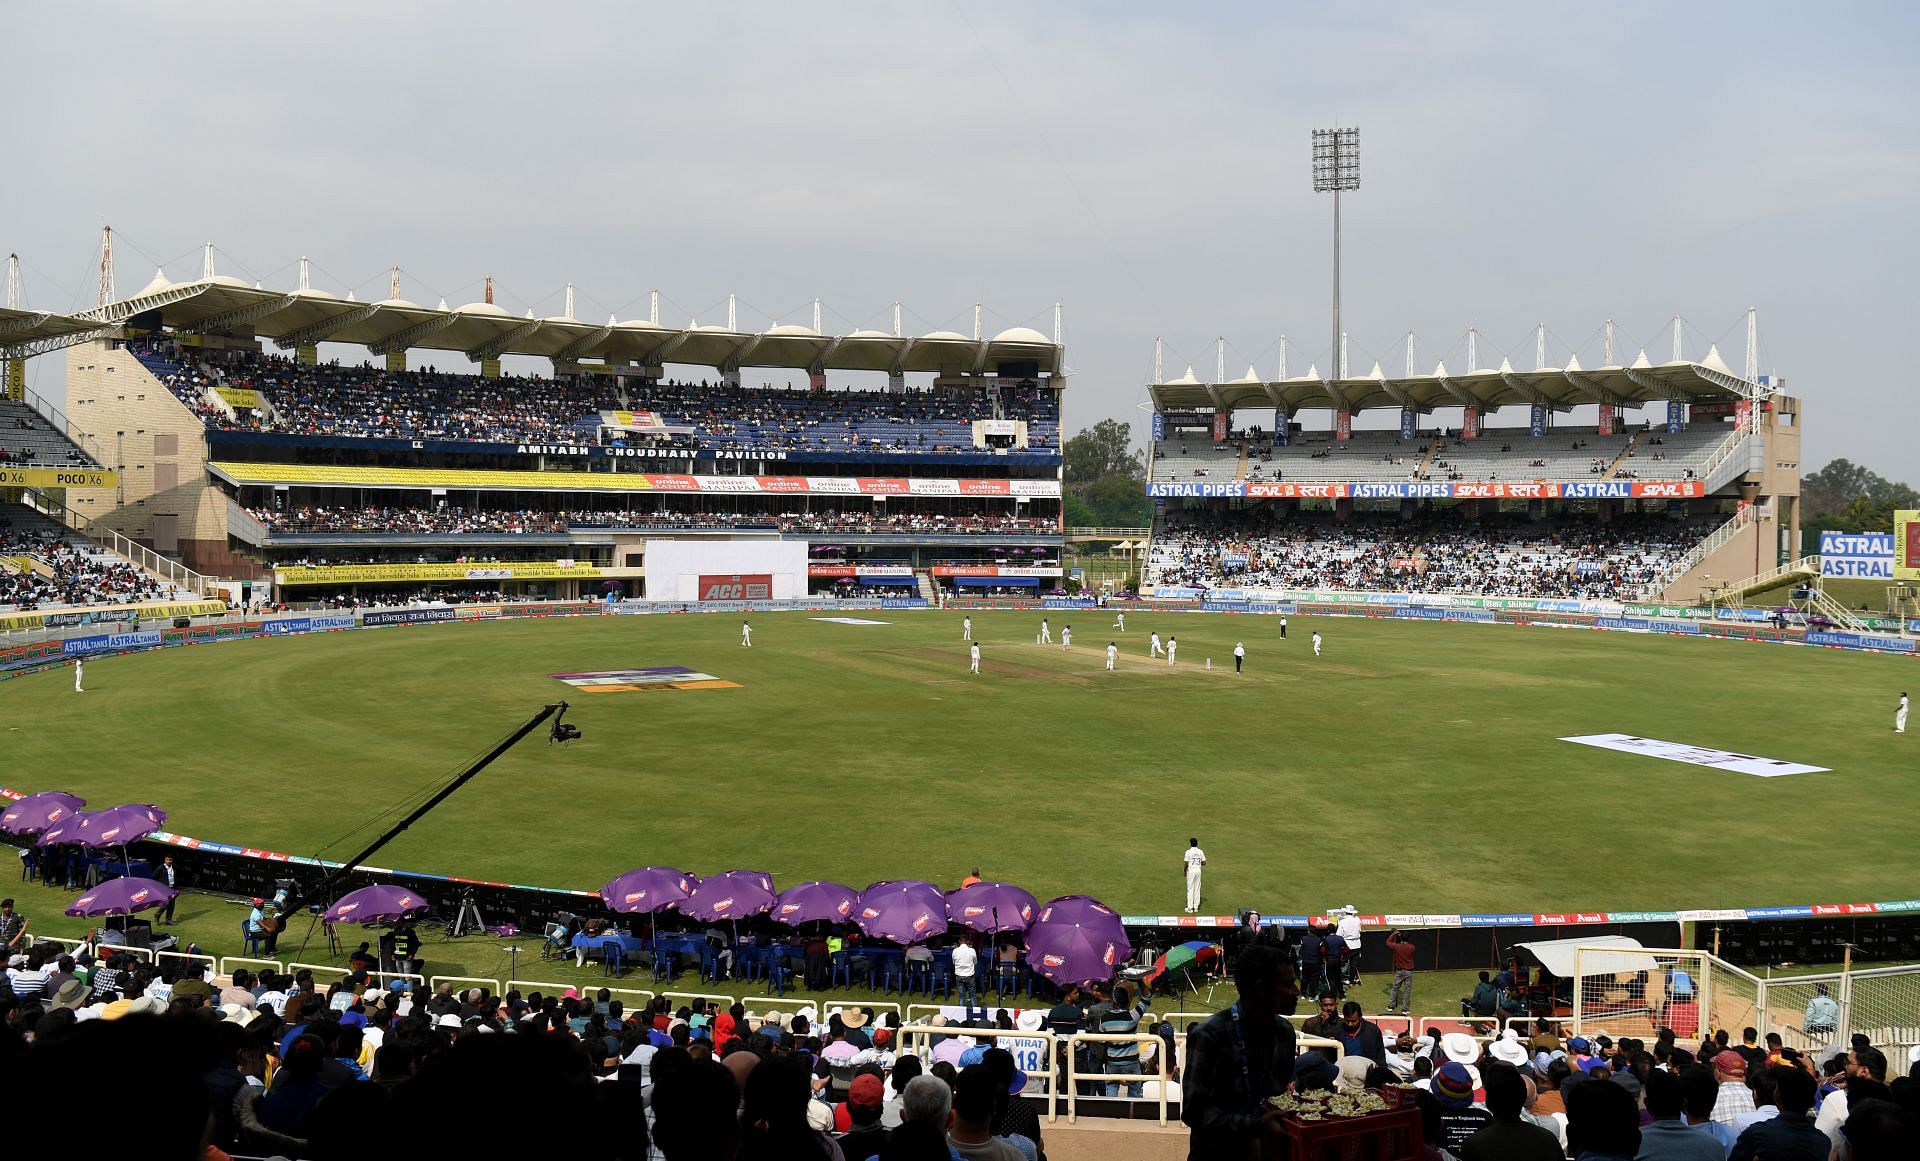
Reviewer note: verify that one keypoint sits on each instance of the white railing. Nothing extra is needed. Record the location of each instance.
(1699, 552)
(154, 564)
(1729, 461)
(65, 426)
(1760, 582)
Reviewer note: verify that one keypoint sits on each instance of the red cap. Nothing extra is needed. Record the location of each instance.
(866, 1091)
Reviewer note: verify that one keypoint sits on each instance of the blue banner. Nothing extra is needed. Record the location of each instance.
(1425, 613)
(1282, 428)
(1400, 491)
(109, 642)
(1859, 641)
(1159, 426)
(903, 602)
(1068, 603)
(1407, 423)
(1537, 421)
(405, 616)
(1676, 416)
(289, 627)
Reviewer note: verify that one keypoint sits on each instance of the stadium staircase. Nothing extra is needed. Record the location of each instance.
(928, 590)
(106, 541)
(34, 425)
(1619, 461)
(1425, 470)
(1240, 471)
(1741, 452)
(1709, 544)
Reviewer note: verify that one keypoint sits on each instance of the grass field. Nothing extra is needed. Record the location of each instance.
(1415, 767)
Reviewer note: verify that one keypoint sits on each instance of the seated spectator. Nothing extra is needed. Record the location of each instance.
(1506, 1137)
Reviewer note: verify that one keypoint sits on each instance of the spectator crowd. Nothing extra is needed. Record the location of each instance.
(73, 575)
(1573, 557)
(384, 520)
(371, 402)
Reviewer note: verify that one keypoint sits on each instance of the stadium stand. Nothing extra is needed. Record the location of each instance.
(1572, 556)
(367, 402)
(61, 570)
(29, 440)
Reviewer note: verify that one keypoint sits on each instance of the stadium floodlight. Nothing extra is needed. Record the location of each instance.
(1336, 167)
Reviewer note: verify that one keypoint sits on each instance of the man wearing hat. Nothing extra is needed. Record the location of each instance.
(865, 1099)
(1239, 1058)
(1460, 1118)
(1734, 1097)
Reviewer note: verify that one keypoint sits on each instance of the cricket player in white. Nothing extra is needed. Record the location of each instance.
(1120, 621)
(746, 634)
(1283, 626)
(975, 651)
(1316, 643)
(1066, 637)
(1239, 655)
(1153, 645)
(1194, 858)
(1899, 715)
(79, 665)
(1113, 652)
(1046, 634)
(966, 628)
(1173, 646)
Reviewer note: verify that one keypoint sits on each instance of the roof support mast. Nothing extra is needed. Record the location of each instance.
(1753, 345)
(107, 294)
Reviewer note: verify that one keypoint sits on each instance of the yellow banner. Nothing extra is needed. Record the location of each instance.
(240, 397)
(112, 614)
(58, 478)
(362, 574)
(20, 563)
(1906, 545)
(16, 378)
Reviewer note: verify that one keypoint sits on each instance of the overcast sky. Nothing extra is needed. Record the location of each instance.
(1147, 165)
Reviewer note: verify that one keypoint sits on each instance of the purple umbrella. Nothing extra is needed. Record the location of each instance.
(375, 904)
(729, 895)
(815, 902)
(121, 897)
(902, 910)
(116, 826)
(37, 812)
(1068, 953)
(992, 907)
(648, 889)
(1083, 910)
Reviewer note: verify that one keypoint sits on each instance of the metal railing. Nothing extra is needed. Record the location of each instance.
(1073, 1076)
(1708, 545)
(65, 426)
(912, 1034)
(155, 565)
(1733, 458)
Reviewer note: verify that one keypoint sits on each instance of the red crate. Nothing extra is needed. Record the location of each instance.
(1390, 1136)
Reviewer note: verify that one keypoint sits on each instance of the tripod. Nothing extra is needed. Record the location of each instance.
(466, 918)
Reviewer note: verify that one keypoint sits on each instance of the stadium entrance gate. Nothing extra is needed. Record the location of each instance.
(1637, 991)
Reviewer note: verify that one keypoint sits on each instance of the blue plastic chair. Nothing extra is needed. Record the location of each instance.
(613, 958)
(249, 937)
(779, 976)
(842, 970)
(665, 965)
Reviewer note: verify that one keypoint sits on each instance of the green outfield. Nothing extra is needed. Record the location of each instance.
(1415, 767)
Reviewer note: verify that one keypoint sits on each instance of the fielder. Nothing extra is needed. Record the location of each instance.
(1113, 653)
(1046, 634)
(966, 628)
(1316, 642)
(1153, 645)
(746, 634)
(974, 650)
(1899, 715)
(79, 666)
(1173, 646)
(1120, 621)
(1194, 858)
(1066, 638)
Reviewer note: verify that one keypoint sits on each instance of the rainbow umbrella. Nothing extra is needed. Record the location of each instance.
(1182, 956)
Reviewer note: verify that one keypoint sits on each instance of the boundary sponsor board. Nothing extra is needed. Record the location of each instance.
(66, 618)
(375, 617)
(1697, 755)
(737, 586)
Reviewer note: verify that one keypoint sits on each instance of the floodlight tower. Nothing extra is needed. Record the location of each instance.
(1336, 168)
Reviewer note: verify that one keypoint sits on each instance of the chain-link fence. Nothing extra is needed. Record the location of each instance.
(1815, 1013)
(1624, 991)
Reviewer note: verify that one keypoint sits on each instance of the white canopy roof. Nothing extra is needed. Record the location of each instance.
(1557, 956)
(480, 330)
